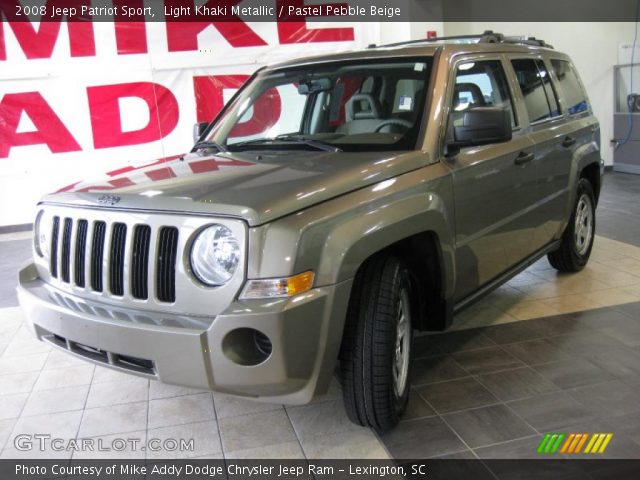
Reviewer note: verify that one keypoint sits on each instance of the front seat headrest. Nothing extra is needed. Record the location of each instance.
(362, 106)
(477, 99)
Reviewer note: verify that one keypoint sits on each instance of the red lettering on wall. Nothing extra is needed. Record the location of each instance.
(131, 34)
(49, 128)
(183, 36)
(294, 28)
(39, 42)
(105, 113)
(209, 93)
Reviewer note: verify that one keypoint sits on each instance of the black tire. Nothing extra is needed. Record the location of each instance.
(573, 254)
(380, 294)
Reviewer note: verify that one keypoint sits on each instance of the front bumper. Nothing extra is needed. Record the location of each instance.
(305, 332)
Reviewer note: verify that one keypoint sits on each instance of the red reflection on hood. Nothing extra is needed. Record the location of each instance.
(153, 175)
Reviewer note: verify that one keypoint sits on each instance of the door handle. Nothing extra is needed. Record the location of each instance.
(523, 158)
(568, 142)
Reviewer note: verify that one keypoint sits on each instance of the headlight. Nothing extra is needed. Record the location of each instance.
(40, 236)
(215, 255)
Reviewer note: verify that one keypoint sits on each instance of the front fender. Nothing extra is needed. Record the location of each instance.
(334, 238)
(351, 243)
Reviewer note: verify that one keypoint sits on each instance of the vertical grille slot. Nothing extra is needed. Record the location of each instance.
(66, 250)
(166, 270)
(97, 254)
(54, 247)
(116, 259)
(81, 249)
(140, 262)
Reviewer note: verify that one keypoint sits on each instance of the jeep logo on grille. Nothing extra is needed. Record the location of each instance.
(108, 199)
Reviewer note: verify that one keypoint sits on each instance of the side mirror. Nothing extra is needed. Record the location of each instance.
(198, 130)
(481, 126)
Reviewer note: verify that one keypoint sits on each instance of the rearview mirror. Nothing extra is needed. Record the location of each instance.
(314, 86)
(198, 130)
(481, 126)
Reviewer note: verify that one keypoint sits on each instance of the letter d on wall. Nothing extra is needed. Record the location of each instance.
(106, 120)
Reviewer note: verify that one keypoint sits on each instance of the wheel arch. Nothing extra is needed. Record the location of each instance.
(591, 172)
(423, 255)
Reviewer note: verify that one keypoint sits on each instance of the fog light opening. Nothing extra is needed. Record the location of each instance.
(263, 344)
(246, 346)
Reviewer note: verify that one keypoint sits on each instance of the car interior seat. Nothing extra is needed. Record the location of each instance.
(463, 92)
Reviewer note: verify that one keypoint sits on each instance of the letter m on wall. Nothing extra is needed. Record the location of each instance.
(39, 42)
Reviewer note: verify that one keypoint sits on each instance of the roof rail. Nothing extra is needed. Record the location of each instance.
(490, 37)
(487, 36)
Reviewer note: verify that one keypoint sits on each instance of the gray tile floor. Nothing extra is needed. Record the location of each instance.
(619, 209)
(13, 254)
(497, 389)
(485, 392)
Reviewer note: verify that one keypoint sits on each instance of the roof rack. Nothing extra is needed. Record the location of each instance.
(487, 36)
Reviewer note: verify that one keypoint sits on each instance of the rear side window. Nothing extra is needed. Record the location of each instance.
(536, 88)
(572, 92)
(548, 88)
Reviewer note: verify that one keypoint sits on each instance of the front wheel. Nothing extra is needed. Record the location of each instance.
(376, 349)
(577, 240)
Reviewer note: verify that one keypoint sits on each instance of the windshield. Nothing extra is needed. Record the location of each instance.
(352, 106)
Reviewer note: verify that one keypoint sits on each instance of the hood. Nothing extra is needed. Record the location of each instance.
(257, 187)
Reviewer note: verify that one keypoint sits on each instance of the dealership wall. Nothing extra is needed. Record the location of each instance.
(96, 81)
(83, 101)
(78, 100)
(593, 48)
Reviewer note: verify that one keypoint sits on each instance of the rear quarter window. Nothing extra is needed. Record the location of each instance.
(574, 95)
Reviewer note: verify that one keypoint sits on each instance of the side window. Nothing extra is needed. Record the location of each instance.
(481, 84)
(533, 90)
(548, 89)
(571, 89)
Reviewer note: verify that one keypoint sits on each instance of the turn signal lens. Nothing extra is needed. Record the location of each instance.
(278, 287)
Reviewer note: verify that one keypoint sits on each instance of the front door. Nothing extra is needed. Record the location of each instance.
(490, 183)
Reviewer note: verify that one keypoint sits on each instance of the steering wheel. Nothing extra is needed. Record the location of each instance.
(394, 121)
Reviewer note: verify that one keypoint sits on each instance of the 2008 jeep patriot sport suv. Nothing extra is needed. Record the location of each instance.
(335, 206)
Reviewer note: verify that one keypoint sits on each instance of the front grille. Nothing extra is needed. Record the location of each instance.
(128, 257)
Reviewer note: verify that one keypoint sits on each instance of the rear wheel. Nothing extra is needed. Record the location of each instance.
(376, 349)
(577, 240)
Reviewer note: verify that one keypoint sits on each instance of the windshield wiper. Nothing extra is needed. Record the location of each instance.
(206, 144)
(326, 147)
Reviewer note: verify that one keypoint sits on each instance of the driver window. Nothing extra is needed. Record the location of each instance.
(480, 84)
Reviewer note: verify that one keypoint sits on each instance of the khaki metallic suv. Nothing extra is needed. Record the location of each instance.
(334, 207)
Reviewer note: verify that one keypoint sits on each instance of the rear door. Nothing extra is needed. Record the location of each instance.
(489, 181)
(555, 141)
(579, 129)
